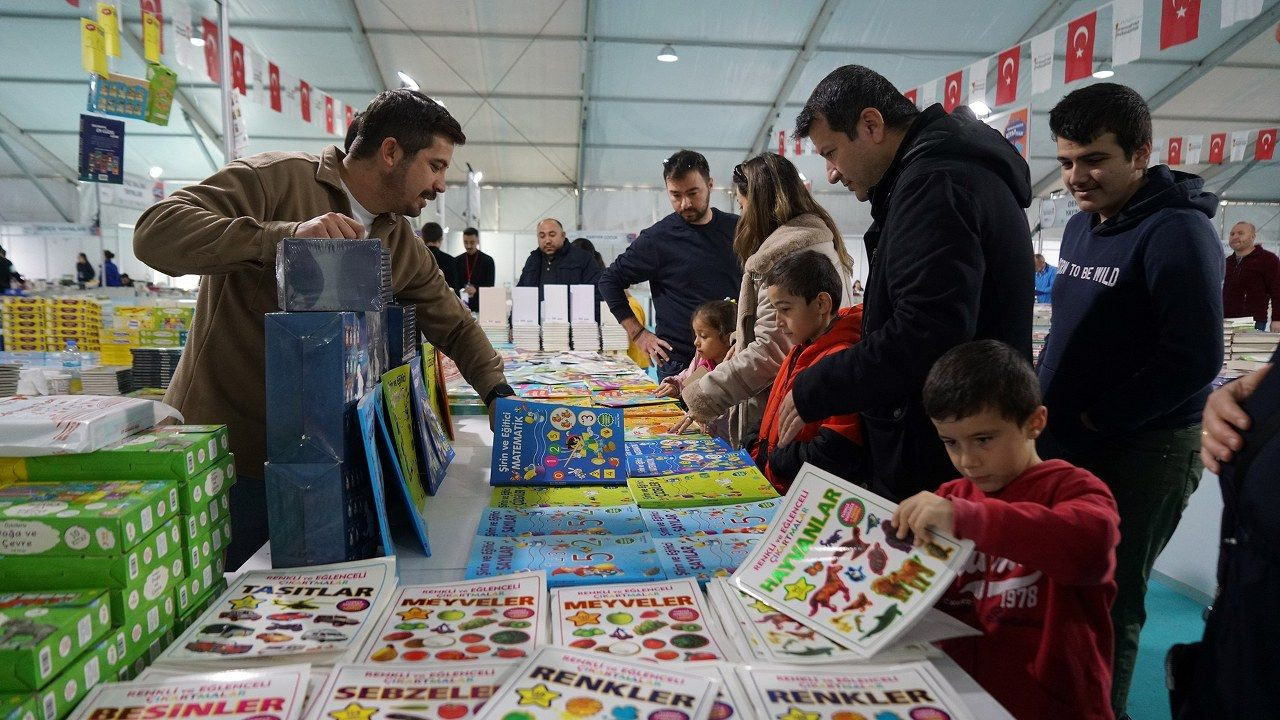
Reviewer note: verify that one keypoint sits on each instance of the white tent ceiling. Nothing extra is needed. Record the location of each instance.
(514, 72)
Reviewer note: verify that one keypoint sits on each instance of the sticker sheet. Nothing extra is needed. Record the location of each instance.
(717, 487)
(742, 518)
(703, 557)
(381, 692)
(547, 444)
(568, 559)
(732, 701)
(542, 497)
(675, 444)
(493, 620)
(277, 693)
(562, 520)
(687, 462)
(908, 690)
(557, 683)
(769, 634)
(656, 621)
(831, 560)
(318, 614)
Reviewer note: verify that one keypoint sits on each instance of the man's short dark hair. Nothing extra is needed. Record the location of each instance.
(981, 375)
(410, 117)
(1087, 114)
(684, 162)
(842, 96)
(805, 274)
(432, 233)
(471, 231)
(352, 131)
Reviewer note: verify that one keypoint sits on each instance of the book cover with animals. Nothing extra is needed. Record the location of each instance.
(559, 683)
(521, 497)
(907, 690)
(498, 619)
(382, 692)
(561, 520)
(715, 487)
(547, 444)
(737, 519)
(831, 559)
(268, 693)
(567, 559)
(687, 462)
(676, 444)
(703, 557)
(319, 614)
(662, 622)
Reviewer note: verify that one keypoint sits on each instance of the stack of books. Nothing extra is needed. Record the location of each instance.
(493, 315)
(154, 367)
(9, 378)
(555, 337)
(612, 335)
(586, 336)
(107, 380)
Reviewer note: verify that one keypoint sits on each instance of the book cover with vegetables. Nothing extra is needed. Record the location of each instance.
(387, 692)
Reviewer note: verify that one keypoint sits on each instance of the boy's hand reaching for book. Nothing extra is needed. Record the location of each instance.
(922, 513)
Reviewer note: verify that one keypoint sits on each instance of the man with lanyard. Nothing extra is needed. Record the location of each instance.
(474, 268)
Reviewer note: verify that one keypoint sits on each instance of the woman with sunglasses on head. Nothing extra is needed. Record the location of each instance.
(779, 218)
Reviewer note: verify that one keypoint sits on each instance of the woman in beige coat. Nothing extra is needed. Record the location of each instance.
(779, 218)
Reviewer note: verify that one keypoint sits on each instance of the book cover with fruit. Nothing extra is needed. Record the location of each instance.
(561, 520)
(547, 444)
(567, 559)
(717, 487)
(740, 518)
(906, 690)
(491, 620)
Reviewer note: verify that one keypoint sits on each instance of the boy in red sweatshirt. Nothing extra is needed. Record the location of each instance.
(806, 291)
(1042, 578)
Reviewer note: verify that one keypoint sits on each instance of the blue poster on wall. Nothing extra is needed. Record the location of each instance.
(101, 150)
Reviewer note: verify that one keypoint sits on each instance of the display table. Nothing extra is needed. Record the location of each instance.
(452, 516)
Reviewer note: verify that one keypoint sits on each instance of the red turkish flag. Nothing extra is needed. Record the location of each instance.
(1175, 151)
(328, 114)
(1179, 22)
(351, 116)
(212, 55)
(911, 95)
(952, 90)
(237, 66)
(1217, 144)
(153, 7)
(1266, 147)
(305, 90)
(782, 142)
(273, 78)
(1007, 75)
(799, 147)
(1080, 34)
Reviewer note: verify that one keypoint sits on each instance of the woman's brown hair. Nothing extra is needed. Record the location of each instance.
(775, 195)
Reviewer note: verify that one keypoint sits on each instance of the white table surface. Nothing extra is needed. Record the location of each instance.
(452, 516)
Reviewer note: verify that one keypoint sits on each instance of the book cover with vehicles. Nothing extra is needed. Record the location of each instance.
(567, 559)
(594, 496)
(687, 462)
(832, 560)
(737, 519)
(907, 690)
(377, 692)
(492, 620)
(561, 520)
(547, 444)
(716, 487)
(703, 557)
(317, 614)
(267, 693)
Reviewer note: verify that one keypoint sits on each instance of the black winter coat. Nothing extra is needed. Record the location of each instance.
(569, 266)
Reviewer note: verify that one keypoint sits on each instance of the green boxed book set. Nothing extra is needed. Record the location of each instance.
(41, 633)
(81, 519)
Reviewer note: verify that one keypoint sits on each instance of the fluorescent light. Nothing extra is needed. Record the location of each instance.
(667, 54)
(156, 172)
(478, 177)
(406, 81)
(979, 108)
(197, 41)
(1103, 73)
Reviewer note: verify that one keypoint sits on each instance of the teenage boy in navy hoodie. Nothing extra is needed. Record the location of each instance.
(1136, 336)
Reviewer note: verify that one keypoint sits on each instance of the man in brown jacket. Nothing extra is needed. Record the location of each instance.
(227, 228)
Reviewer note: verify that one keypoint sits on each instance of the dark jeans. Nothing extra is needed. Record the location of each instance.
(673, 366)
(248, 520)
(1152, 475)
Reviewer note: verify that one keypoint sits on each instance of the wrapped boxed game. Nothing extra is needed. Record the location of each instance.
(80, 519)
(323, 275)
(178, 452)
(54, 424)
(43, 632)
(402, 333)
(98, 665)
(319, 513)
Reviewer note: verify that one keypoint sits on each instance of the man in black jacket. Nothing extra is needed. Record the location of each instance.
(433, 236)
(556, 262)
(950, 257)
(473, 268)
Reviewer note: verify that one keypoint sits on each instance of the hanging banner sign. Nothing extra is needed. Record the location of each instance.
(101, 150)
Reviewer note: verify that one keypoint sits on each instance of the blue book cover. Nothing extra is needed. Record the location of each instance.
(548, 444)
(568, 559)
(687, 462)
(671, 445)
(743, 518)
(563, 520)
(703, 557)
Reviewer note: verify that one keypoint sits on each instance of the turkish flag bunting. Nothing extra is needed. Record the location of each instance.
(1175, 151)
(1266, 147)
(782, 142)
(1217, 144)
(911, 95)
(951, 90)
(211, 51)
(1179, 22)
(237, 66)
(799, 147)
(155, 8)
(273, 80)
(304, 90)
(1080, 35)
(328, 114)
(351, 116)
(1007, 75)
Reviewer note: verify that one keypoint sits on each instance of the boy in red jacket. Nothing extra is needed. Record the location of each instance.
(806, 292)
(1041, 580)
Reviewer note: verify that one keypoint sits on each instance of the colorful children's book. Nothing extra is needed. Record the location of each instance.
(492, 620)
(320, 614)
(740, 518)
(546, 444)
(703, 557)
(374, 692)
(539, 391)
(656, 621)
(267, 693)
(675, 444)
(628, 398)
(831, 560)
(561, 520)
(540, 497)
(669, 410)
(568, 559)
(658, 428)
(718, 487)
(732, 700)
(398, 402)
(558, 683)
(908, 690)
(687, 462)
(433, 447)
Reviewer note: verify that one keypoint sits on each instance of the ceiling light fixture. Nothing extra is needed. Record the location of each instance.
(979, 108)
(197, 41)
(1103, 72)
(406, 81)
(479, 176)
(667, 54)
(156, 172)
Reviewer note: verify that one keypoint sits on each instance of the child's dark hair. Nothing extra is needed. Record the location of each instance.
(980, 375)
(805, 274)
(721, 315)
